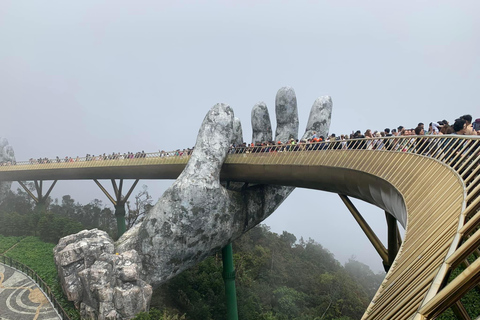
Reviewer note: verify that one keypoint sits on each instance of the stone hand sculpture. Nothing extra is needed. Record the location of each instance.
(194, 218)
(7, 157)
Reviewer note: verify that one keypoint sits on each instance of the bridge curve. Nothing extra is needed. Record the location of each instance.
(429, 184)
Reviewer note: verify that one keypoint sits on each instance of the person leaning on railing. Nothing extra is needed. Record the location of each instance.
(420, 143)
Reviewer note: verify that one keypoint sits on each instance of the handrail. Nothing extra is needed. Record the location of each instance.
(424, 145)
(39, 281)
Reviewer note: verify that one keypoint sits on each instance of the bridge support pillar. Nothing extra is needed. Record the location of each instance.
(393, 240)
(40, 206)
(377, 244)
(40, 199)
(120, 216)
(229, 278)
(118, 201)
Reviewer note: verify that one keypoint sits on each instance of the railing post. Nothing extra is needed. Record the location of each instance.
(229, 279)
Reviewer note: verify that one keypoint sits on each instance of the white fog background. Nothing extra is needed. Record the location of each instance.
(80, 77)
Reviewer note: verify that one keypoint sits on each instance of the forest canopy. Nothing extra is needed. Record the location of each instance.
(277, 276)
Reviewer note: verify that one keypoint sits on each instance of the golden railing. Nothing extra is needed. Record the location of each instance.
(436, 179)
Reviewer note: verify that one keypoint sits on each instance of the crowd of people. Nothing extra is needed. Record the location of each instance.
(461, 126)
(103, 157)
(89, 157)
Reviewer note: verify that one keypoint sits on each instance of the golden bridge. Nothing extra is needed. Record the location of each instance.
(429, 184)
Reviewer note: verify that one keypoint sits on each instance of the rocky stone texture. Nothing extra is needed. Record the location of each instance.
(193, 219)
(103, 284)
(237, 139)
(261, 125)
(320, 118)
(195, 216)
(287, 115)
(7, 156)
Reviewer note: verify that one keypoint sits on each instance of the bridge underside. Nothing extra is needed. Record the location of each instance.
(357, 184)
(426, 196)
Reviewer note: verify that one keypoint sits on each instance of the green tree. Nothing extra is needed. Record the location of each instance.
(362, 273)
(288, 303)
(52, 227)
(19, 202)
(138, 207)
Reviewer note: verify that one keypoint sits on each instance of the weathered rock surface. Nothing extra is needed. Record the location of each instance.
(103, 284)
(7, 157)
(287, 115)
(193, 219)
(261, 125)
(195, 216)
(320, 118)
(237, 139)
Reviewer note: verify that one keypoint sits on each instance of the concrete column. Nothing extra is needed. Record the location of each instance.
(229, 278)
(120, 215)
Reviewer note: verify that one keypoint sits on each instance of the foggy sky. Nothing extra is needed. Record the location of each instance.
(95, 77)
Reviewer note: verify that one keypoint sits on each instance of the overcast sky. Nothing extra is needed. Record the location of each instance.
(81, 77)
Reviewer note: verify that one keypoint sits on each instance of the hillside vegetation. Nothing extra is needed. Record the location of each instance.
(277, 276)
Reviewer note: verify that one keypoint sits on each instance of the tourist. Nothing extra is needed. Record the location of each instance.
(469, 127)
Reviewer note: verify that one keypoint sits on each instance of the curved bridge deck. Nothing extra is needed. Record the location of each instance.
(429, 184)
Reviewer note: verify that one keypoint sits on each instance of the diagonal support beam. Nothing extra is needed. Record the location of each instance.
(40, 199)
(115, 188)
(28, 191)
(119, 194)
(460, 311)
(130, 191)
(105, 192)
(38, 187)
(50, 189)
(118, 201)
(377, 244)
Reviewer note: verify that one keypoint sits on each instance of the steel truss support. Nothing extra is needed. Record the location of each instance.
(41, 198)
(394, 240)
(118, 202)
(229, 279)
(460, 311)
(377, 244)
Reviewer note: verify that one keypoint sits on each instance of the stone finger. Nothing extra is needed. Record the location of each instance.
(320, 118)
(261, 125)
(287, 115)
(237, 139)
